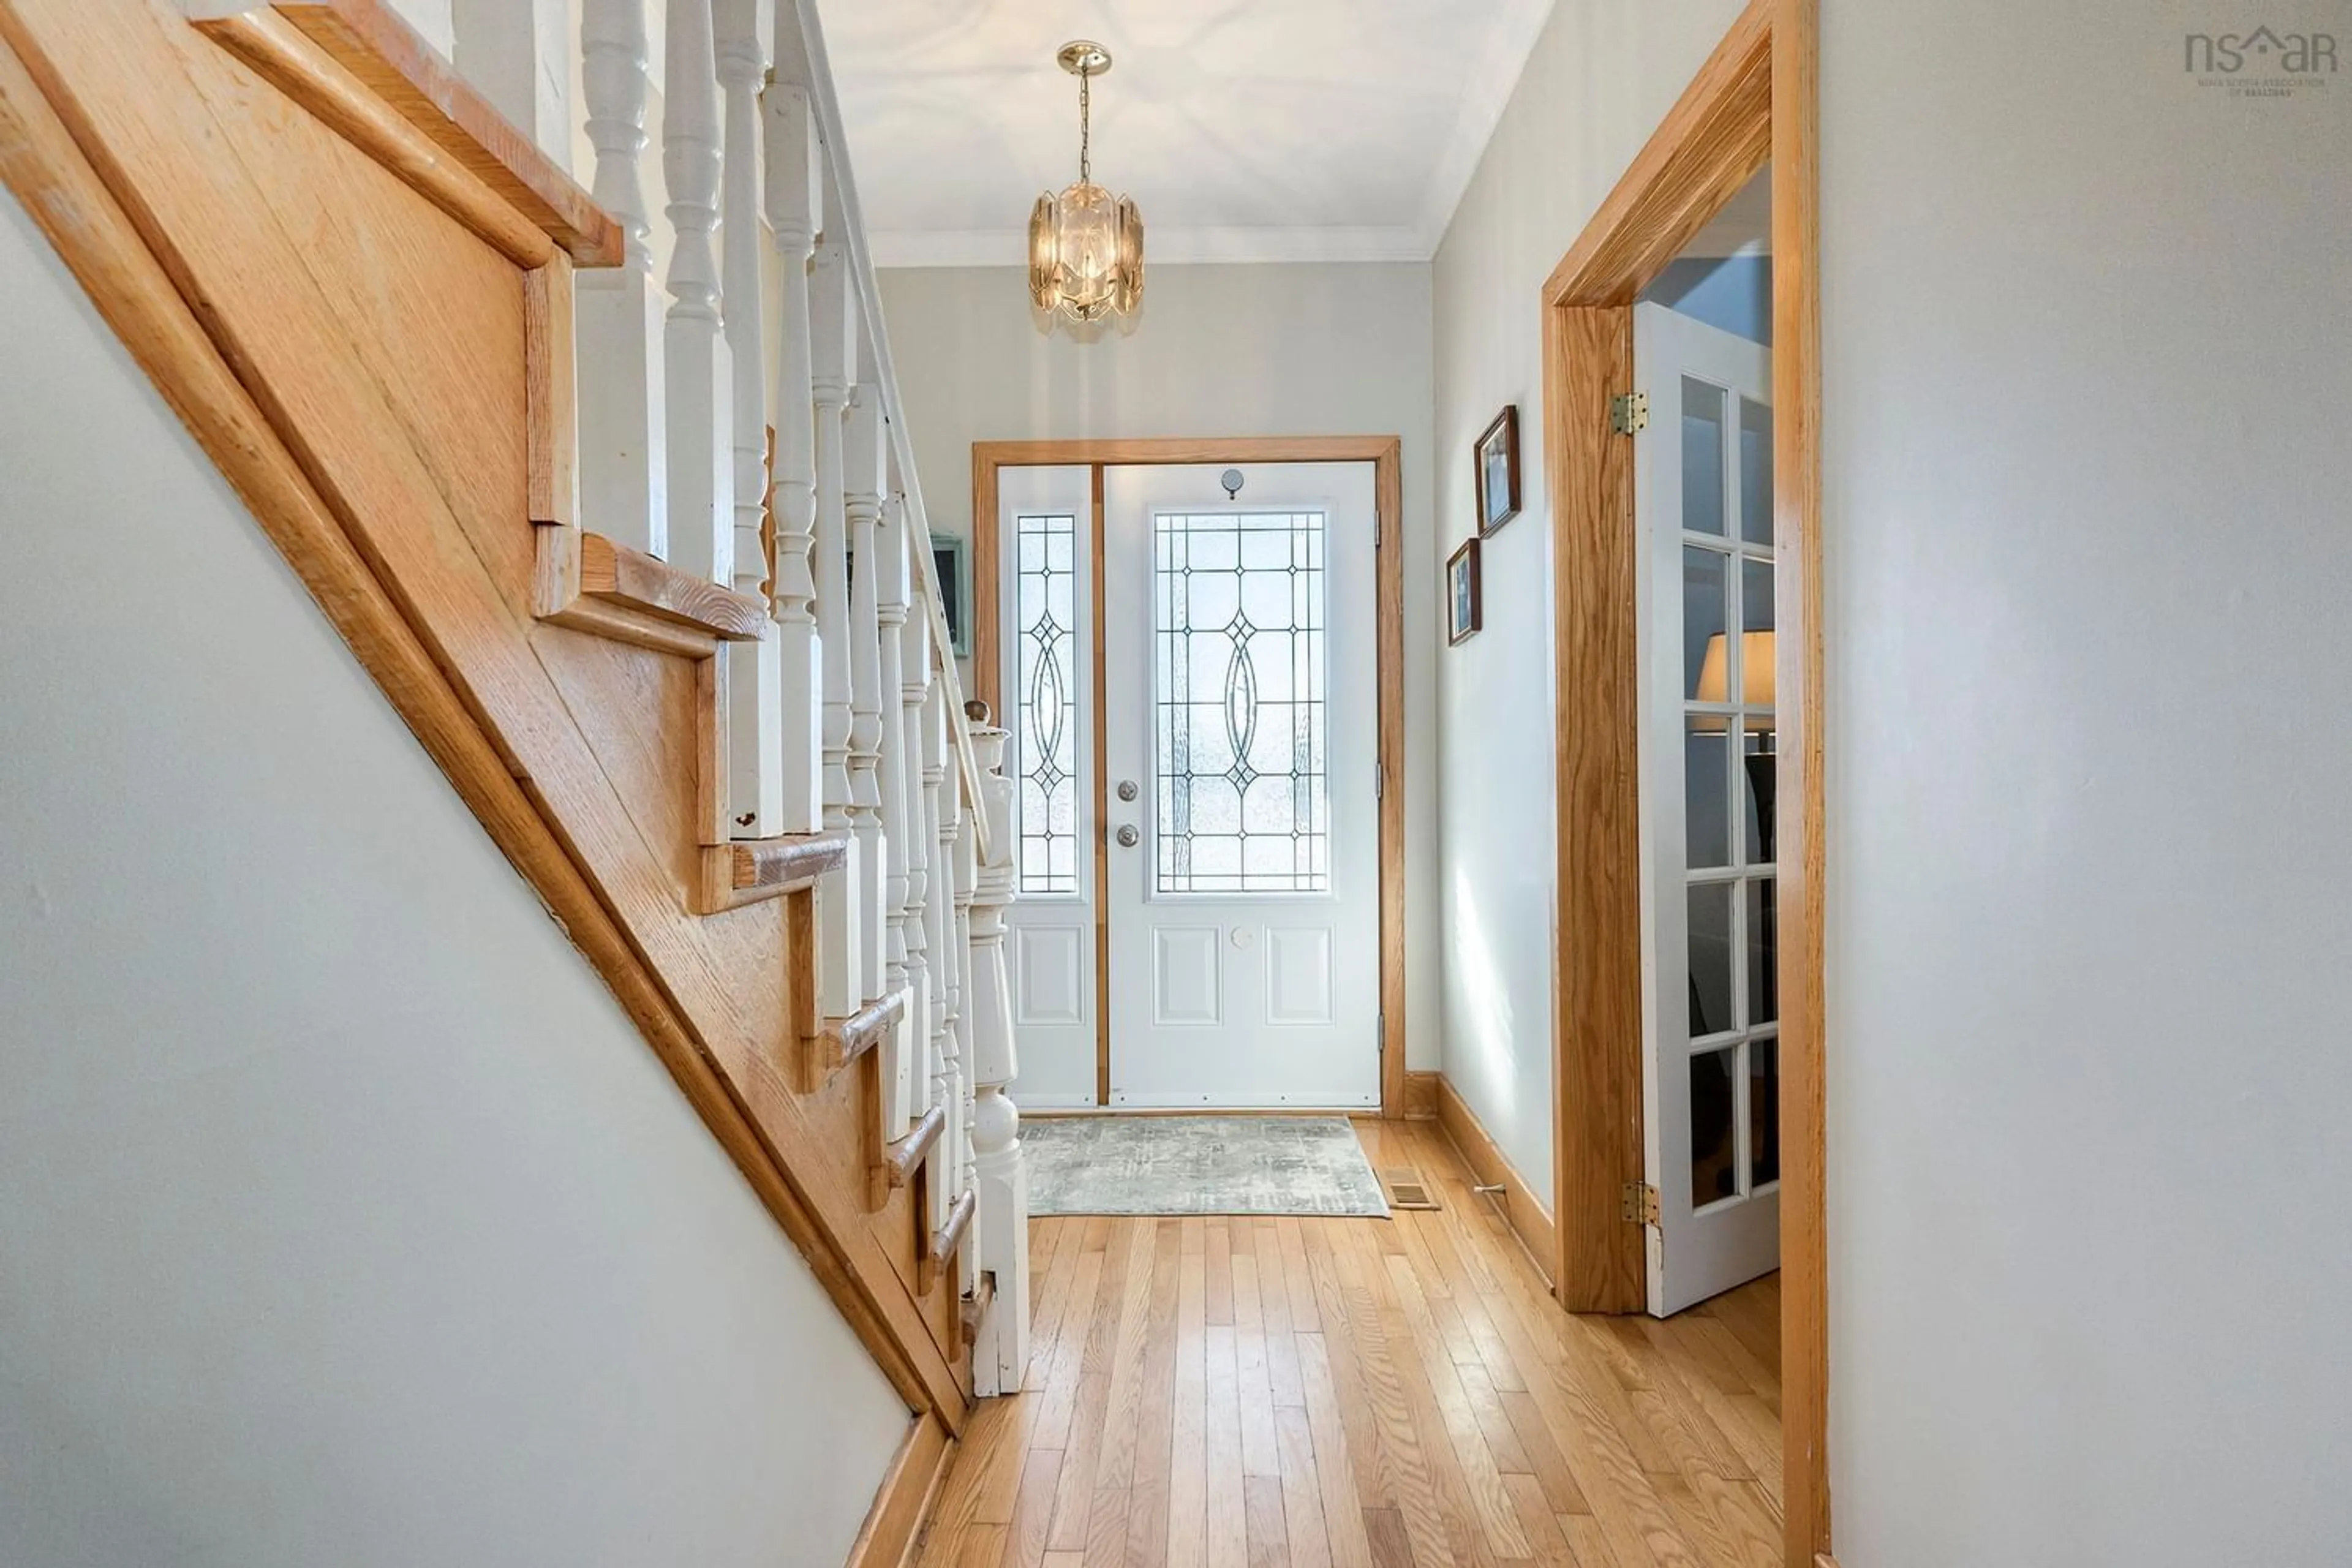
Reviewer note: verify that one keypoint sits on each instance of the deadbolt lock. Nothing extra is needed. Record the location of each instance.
(1127, 836)
(1127, 789)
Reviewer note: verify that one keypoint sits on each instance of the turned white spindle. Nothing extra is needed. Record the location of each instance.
(756, 715)
(834, 366)
(624, 439)
(863, 478)
(890, 745)
(958, 1041)
(947, 947)
(918, 722)
(1000, 1357)
(701, 378)
(795, 192)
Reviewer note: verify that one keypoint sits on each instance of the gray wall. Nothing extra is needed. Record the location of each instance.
(2088, 383)
(1291, 350)
(344, 1217)
(1600, 77)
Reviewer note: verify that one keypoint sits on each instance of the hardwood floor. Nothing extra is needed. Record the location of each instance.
(1361, 1394)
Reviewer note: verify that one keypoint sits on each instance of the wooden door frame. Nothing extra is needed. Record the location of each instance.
(1385, 454)
(1753, 98)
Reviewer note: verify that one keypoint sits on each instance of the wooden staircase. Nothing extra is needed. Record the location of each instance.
(356, 285)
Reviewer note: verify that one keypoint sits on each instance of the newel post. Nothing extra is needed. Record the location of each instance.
(1000, 1355)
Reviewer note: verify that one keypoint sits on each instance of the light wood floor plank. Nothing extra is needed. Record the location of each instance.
(1216, 1391)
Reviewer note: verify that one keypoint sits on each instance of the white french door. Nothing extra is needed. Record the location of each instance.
(1239, 809)
(1702, 502)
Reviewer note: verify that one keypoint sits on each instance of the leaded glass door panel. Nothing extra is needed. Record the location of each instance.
(1045, 651)
(1241, 676)
(1703, 506)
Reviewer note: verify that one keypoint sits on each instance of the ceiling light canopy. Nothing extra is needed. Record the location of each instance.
(1086, 246)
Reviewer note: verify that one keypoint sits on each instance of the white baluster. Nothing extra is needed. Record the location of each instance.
(796, 191)
(699, 369)
(756, 717)
(918, 722)
(951, 900)
(958, 1041)
(1001, 1358)
(518, 52)
(890, 733)
(905, 1065)
(861, 499)
(834, 366)
(623, 440)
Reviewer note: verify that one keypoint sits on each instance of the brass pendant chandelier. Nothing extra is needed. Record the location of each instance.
(1086, 246)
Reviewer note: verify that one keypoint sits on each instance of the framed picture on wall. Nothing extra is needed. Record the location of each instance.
(1497, 459)
(955, 589)
(1462, 602)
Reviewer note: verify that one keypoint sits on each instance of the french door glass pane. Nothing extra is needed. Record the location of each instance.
(1045, 734)
(1710, 959)
(1706, 793)
(1756, 782)
(1239, 718)
(1755, 472)
(1763, 1111)
(1705, 585)
(1756, 615)
(1763, 952)
(1702, 451)
(1714, 1139)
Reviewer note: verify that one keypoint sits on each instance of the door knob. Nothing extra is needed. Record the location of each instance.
(1127, 789)
(1127, 836)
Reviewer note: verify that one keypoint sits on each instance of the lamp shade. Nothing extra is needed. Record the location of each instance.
(1755, 676)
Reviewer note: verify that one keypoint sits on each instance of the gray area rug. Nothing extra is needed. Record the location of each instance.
(1198, 1165)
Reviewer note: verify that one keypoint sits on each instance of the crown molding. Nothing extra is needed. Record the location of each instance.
(1166, 248)
(1518, 26)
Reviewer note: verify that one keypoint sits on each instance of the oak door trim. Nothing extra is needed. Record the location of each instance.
(1801, 671)
(1101, 640)
(1753, 98)
(1385, 453)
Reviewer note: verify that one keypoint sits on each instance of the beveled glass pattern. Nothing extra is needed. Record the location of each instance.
(1045, 732)
(1240, 775)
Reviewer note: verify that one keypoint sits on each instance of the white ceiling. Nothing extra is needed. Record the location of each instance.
(1245, 130)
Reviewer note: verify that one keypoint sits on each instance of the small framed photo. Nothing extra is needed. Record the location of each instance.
(1462, 611)
(955, 589)
(1497, 457)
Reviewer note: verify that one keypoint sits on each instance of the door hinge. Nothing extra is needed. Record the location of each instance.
(1640, 1203)
(1629, 413)
(1379, 781)
(1381, 1032)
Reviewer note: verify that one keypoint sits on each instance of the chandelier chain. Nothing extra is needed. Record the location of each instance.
(1085, 117)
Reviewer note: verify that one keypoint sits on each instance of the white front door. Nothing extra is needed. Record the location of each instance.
(1237, 800)
(1241, 675)
(1703, 496)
